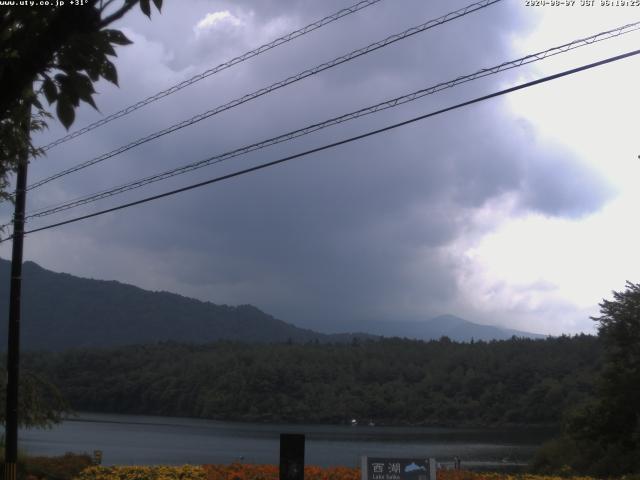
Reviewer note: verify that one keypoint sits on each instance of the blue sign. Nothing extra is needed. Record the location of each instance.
(386, 468)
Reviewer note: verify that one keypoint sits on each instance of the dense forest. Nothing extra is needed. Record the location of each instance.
(390, 381)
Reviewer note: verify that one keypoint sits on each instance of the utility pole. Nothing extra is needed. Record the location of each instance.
(13, 351)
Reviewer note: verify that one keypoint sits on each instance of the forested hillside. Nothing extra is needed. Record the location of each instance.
(62, 311)
(392, 381)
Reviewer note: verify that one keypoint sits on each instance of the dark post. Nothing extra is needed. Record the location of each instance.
(291, 456)
(13, 351)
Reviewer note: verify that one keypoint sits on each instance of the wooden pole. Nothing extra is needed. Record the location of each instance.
(13, 351)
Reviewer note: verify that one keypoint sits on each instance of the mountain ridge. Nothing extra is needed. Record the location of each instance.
(62, 311)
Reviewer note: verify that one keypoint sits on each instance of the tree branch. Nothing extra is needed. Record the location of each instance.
(128, 5)
(105, 5)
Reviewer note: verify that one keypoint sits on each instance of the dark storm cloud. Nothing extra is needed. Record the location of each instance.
(353, 233)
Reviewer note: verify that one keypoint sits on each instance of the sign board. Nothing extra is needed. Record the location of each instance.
(291, 456)
(389, 468)
(97, 457)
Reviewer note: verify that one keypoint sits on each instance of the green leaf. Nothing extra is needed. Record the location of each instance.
(68, 88)
(84, 88)
(65, 111)
(158, 4)
(50, 90)
(82, 83)
(116, 37)
(93, 67)
(36, 103)
(107, 49)
(94, 74)
(89, 99)
(145, 7)
(86, 96)
(109, 72)
(102, 46)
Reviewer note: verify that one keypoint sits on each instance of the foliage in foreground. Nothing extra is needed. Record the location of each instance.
(182, 472)
(467, 475)
(237, 471)
(58, 55)
(64, 467)
(602, 437)
(40, 402)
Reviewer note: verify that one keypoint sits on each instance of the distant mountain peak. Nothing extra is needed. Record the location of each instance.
(446, 325)
(447, 320)
(64, 311)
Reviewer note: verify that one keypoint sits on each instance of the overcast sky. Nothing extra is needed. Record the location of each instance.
(520, 211)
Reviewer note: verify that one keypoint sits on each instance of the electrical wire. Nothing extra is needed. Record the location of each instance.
(341, 142)
(275, 86)
(212, 71)
(336, 120)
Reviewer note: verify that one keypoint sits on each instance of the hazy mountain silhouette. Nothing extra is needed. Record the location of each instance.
(61, 311)
(450, 326)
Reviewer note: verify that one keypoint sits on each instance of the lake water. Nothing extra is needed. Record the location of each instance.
(147, 440)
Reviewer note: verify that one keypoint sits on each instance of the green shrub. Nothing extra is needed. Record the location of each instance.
(556, 457)
(63, 467)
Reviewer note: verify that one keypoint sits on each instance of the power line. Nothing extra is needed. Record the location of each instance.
(275, 86)
(212, 71)
(336, 120)
(341, 142)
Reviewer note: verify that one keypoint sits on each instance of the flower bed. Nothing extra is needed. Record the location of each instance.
(183, 472)
(237, 471)
(466, 475)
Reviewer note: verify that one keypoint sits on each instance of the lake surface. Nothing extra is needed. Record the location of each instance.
(147, 440)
